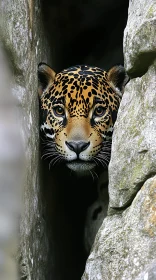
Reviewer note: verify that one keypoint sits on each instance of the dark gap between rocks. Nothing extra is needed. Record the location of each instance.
(78, 32)
(116, 210)
(143, 62)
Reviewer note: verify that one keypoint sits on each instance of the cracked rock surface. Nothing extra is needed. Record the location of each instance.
(125, 244)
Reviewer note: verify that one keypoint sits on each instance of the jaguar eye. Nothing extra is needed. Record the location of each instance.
(59, 111)
(99, 111)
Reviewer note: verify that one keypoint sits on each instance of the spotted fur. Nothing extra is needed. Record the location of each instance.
(78, 110)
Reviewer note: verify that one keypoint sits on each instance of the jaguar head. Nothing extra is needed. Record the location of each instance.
(78, 109)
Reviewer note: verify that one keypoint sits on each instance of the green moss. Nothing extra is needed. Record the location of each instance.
(140, 140)
(151, 11)
(137, 170)
(133, 129)
(123, 183)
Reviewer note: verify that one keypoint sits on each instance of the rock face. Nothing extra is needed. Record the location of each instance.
(124, 246)
(125, 243)
(22, 36)
(11, 173)
(139, 37)
(134, 145)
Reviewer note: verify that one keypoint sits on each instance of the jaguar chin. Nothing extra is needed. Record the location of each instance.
(81, 166)
(78, 109)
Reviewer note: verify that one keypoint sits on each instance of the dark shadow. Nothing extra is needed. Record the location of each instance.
(66, 198)
(85, 32)
(79, 32)
(142, 63)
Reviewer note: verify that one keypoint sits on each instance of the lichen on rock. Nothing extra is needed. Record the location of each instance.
(125, 243)
(134, 147)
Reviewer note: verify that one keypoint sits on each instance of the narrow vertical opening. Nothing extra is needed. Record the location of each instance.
(78, 32)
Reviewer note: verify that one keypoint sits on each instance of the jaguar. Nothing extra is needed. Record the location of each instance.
(78, 109)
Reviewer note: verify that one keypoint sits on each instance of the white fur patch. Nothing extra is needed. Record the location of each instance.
(110, 129)
(50, 135)
(46, 126)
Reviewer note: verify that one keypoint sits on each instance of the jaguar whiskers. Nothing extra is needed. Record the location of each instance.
(103, 157)
(49, 151)
(78, 109)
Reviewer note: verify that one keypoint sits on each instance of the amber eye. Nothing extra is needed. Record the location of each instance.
(99, 111)
(59, 111)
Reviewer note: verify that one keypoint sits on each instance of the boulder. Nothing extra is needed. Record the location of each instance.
(134, 146)
(140, 37)
(124, 246)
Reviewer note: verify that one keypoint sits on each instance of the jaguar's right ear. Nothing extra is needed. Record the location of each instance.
(46, 77)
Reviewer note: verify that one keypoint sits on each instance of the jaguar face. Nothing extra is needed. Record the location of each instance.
(78, 109)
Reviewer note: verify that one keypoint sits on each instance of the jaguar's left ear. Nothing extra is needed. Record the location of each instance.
(46, 76)
(118, 78)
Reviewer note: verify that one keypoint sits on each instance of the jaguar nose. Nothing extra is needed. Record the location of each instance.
(77, 147)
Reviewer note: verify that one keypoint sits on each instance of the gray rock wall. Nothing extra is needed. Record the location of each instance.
(11, 173)
(22, 36)
(125, 245)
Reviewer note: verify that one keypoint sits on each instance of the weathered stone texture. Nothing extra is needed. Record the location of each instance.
(22, 36)
(124, 246)
(125, 243)
(134, 145)
(140, 36)
(149, 272)
(11, 174)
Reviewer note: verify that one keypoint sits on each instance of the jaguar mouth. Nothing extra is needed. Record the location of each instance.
(80, 165)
